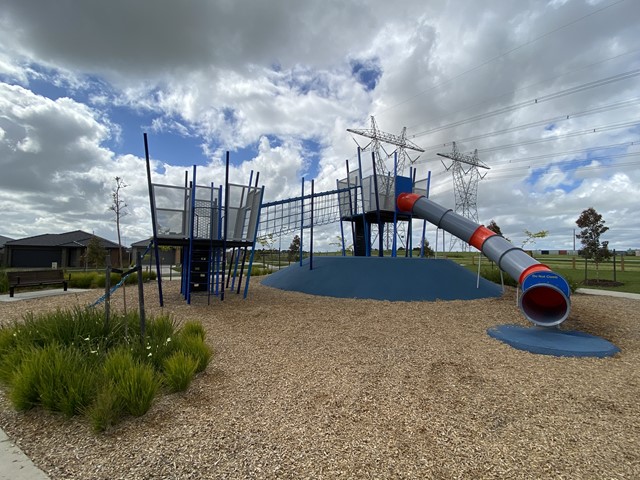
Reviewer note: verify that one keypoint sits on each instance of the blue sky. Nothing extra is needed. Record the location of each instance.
(278, 85)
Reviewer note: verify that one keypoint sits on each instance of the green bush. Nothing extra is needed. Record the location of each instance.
(106, 410)
(195, 347)
(71, 362)
(96, 279)
(135, 382)
(193, 329)
(4, 282)
(56, 378)
(178, 371)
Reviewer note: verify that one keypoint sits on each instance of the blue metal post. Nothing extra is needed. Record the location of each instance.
(301, 220)
(152, 204)
(311, 231)
(394, 245)
(253, 249)
(364, 213)
(341, 228)
(193, 213)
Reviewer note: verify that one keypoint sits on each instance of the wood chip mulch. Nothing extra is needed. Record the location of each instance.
(314, 387)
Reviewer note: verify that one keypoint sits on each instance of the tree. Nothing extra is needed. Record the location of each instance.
(294, 249)
(119, 209)
(493, 226)
(532, 237)
(95, 252)
(592, 227)
(266, 241)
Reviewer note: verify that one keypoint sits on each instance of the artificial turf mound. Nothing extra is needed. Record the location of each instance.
(384, 278)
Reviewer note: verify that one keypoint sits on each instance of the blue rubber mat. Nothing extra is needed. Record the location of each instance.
(552, 341)
(384, 278)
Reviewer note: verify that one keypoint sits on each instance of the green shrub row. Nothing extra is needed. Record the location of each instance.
(97, 279)
(71, 362)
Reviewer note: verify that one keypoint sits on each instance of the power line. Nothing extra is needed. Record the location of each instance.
(486, 62)
(546, 80)
(559, 118)
(534, 101)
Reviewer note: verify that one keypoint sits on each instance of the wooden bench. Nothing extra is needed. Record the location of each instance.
(36, 278)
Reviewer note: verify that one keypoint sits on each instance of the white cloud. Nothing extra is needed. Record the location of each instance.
(273, 76)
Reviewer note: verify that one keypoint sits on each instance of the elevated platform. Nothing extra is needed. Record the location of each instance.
(384, 278)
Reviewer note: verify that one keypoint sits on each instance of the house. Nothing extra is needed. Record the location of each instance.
(55, 250)
(3, 240)
(168, 255)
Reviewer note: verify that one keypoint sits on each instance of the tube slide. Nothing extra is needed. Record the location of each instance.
(545, 294)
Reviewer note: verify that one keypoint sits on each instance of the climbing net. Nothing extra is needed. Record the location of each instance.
(284, 216)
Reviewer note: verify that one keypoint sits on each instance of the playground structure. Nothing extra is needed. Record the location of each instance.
(206, 221)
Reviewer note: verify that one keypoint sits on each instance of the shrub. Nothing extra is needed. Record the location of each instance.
(70, 361)
(4, 282)
(84, 280)
(135, 382)
(106, 410)
(55, 377)
(195, 347)
(178, 371)
(193, 329)
(24, 386)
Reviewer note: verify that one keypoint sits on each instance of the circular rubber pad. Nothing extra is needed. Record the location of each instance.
(552, 341)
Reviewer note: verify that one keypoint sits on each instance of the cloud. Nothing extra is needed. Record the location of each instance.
(278, 83)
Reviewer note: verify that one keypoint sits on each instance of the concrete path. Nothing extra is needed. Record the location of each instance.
(39, 294)
(15, 465)
(608, 293)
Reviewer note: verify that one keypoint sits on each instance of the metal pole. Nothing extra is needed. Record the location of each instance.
(311, 230)
(301, 220)
(154, 226)
(614, 265)
(107, 294)
(375, 187)
(143, 322)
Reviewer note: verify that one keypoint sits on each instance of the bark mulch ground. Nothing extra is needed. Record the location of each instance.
(305, 386)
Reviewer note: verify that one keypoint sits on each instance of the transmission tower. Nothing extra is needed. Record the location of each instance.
(385, 174)
(378, 138)
(466, 175)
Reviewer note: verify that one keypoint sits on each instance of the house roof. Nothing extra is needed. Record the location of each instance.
(142, 243)
(4, 240)
(77, 238)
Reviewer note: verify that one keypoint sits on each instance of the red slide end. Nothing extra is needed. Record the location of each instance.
(407, 200)
(538, 267)
(480, 236)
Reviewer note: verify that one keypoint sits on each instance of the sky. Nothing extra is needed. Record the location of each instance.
(546, 91)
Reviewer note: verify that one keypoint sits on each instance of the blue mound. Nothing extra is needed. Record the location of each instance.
(551, 341)
(384, 278)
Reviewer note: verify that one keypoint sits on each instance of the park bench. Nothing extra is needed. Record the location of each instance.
(36, 278)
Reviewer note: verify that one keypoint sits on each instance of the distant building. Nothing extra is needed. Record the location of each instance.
(3, 240)
(55, 250)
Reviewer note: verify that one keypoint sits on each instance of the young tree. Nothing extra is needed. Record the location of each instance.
(592, 227)
(268, 242)
(493, 226)
(532, 237)
(294, 249)
(95, 252)
(118, 207)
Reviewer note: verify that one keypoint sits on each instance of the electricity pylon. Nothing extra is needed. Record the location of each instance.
(466, 175)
